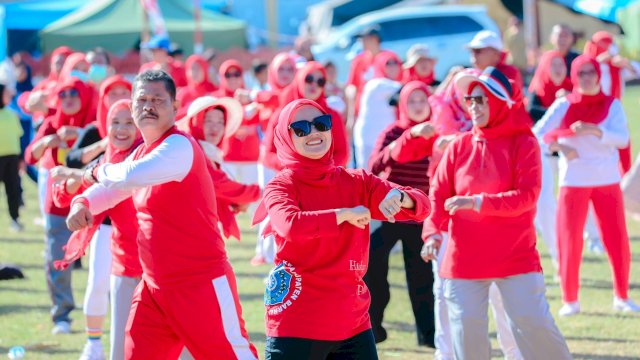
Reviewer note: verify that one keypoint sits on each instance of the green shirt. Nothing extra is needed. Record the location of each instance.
(10, 133)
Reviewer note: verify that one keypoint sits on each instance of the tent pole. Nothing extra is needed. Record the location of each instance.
(198, 47)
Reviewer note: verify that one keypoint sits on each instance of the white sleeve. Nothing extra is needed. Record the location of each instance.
(615, 131)
(169, 161)
(101, 198)
(551, 120)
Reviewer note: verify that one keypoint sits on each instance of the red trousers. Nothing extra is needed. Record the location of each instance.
(206, 318)
(573, 205)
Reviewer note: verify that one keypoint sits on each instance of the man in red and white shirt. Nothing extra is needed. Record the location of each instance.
(187, 296)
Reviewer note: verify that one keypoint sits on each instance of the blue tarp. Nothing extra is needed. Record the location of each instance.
(37, 14)
(603, 9)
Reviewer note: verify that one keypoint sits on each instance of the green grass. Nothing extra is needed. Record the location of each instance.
(598, 333)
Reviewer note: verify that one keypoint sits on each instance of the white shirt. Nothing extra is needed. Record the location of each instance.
(597, 163)
(375, 112)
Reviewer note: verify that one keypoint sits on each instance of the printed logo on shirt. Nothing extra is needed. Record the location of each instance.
(284, 287)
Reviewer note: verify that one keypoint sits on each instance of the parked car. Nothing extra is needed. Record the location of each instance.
(445, 29)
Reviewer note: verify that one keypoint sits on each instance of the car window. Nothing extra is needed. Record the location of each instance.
(427, 26)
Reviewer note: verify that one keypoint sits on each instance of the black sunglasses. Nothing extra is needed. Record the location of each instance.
(470, 100)
(68, 93)
(230, 75)
(587, 73)
(302, 128)
(309, 79)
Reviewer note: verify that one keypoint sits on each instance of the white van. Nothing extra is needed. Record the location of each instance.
(445, 29)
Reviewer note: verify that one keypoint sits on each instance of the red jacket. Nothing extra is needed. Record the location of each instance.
(316, 291)
(500, 239)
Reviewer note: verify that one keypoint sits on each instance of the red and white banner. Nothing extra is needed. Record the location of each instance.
(152, 9)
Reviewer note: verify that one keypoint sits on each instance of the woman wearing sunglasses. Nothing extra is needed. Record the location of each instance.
(57, 133)
(484, 192)
(402, 156)
(123, 268)
(588, 128)
(375, 113)
(316, 301)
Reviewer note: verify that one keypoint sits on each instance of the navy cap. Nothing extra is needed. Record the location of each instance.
(493, 79)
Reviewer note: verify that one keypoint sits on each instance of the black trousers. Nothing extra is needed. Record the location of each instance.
(359, 347)
(9, 175)
(418, 274)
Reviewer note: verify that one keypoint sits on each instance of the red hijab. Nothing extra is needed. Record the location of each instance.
(542, 85)
(203, 87)
(295, 90)
(272, 72)
(84, 116)
(599, 44)
(224, 85)
(71, 62)
(503, 121)
(380, 63)
(403, 113)
(114, 155)
(107, 85)
(62, 50)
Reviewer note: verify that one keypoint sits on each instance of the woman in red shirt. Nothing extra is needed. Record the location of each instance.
(198, 83)
(485, 191)
(317, 302)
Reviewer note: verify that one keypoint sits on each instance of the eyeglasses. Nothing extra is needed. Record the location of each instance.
(230, 75)
(392, 63)
(586, 73)
(68, 93)
(471, 100)
(309, 79)
(286, 69)
(302, 128)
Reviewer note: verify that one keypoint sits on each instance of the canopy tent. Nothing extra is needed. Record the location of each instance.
(606, 10)
(37, 14)
(116, 26)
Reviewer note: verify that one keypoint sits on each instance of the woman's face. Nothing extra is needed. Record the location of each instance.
(234, 78)
(479, 112)
(286, 73)
(122, 131)
(213, 127)
(118, 92)
(558, 71)
(196, 73)
(82, 66)
(418, 108)
(312, 90)
(316, 144)
(588, 79)
(70, 101)
(424, 66)
(331, 74)
(392, 69)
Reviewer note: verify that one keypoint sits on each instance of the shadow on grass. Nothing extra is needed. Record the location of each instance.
(595, 339)
(17, 288)
(399, 326)
(22, 308)
(251, 297)
(604, 357)
(616, 315)
(603, 284)
(26, 240)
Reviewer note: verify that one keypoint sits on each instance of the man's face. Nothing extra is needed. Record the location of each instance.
(152, 108)
(485, 57)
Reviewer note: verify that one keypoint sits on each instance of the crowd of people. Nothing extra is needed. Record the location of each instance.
(148, 173)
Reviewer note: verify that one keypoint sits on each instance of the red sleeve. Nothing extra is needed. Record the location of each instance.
(378, 189)
(380, 158)
(289, 221)
(527, 182)
(45, 129)
(268, 155)
(441, 188)
(355, 72)
(232, 191)
(61, 196)
(409, 148)
(340, 141)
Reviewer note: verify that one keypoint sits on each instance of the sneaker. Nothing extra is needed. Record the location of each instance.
(625, 305)
(594, 245)
(569, 309)
(61, 327)
(258, 260)
(15, 226)
(93, 351)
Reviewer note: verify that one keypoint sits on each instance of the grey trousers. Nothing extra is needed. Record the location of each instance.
(58, 282)
(122, 289)
(527, 310)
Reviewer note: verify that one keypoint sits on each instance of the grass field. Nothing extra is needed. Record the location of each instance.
(598, 333)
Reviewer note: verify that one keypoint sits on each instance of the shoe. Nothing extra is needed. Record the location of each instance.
(625, 305)
(380, 335)
(61, 327)
(594, 245)
(15, 226)
(93, 351)
(258, 260)
(569, 309)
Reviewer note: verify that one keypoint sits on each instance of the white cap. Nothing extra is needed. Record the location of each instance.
(485, 39)
(416, 52)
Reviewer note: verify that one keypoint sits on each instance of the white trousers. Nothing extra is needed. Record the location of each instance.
(527, 313)
(122, 289)
(546, 211)
(96, 296)
(265, 246)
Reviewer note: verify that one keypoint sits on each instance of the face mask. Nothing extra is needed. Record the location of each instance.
(80, 75)
(97, 73)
